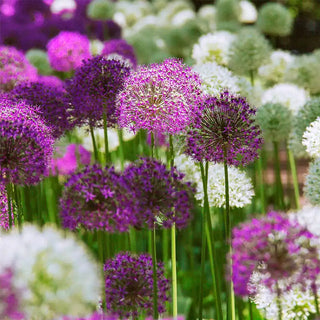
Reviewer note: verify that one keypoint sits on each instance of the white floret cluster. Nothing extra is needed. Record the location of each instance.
(311, 139)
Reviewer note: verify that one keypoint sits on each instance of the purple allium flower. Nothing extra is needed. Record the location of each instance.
(94, 88)
(224, 125)
(51, 102)
(120, 48)
(14, 67)
(129, 285)
(162, 197)
(275, 246)
(75, 155)
(51, 80)
(159, 97)
(26, 143)
(96, 198)
(67, 50)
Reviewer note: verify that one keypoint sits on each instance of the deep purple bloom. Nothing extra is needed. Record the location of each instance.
(159, 97)
(162, 197)
(275, 246)
(129, 285)
(51, 102)
(14, 67)
(67, 50)
(96, 198)
(224, 129)
(26, 143)
(120, 48)
(94, 88)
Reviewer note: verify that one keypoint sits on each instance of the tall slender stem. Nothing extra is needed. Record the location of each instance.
(261, 184)
(315, 295)
(294, 177)
(279, 302)
(106, 141)
(155, 281)
(95, 149)
(9, 200)
(121, 148)
(279, 188)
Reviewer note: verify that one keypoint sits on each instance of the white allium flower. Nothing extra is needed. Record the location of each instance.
(213, 47)
(172, 8)
(54, 273)
(59, 5)
(216, 78)
(190, 168)
(274, 71)
(207, 13)
(145, 22)
(252, 93)
(311, 139)
(182, 17)
(309, 217)
(248, 12)
(287, 94)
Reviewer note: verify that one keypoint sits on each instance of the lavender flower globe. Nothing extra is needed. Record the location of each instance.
(162, 197)
(275, 246)
(67, 50)
(14, 67)
(26, 143)
(224, 129)
(129, 285)
(93, 90)
(96, 198)
(159, 97)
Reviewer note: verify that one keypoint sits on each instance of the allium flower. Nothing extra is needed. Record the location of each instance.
(251, 92)
(213, 47)
(275, 121)
(52, 271)
(96, 199)
(14, 67)
(26, 143)
(121, 48)
(215, 78)
(286, 94)
(160, 97)
(67, 50)
(311, 139)
(51, 81)
(51, 102)
(276, 247)
(274, 71)
(312, 184)
(129, 285)
(94, 88)
(275, 19)
(39, 59)
(162, 197)
(207, 16)
(309, 217)
(248, 52)
(224, 130)
(248, 12)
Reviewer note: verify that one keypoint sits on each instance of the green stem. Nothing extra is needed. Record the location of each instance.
(315, 295)
(294, 178)
(9, 200)
(95, 149)
(121, 148)
(152, 144)
(106, 141)
(250, 310)
(279, 188)
(252, 77)
(261, 185)
(279, 302)
(155, 282)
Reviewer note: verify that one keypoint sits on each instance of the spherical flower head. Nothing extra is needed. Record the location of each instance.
(39, 59)
(312, 184)
(215, 78)
(275, 246)
(122, 48)
(311, 138)
(67, 50)
(275, 19)
(275, 121)
(51, 103)
(213, 47)
(224, 130)
(26, 143)
(248, 12)
(14, 67)
(161, 196)
(159, 97)
(54, 273)
(93, 90)
(286, 94)
(96, 198)
(100, 9)
(248, 52)
(129, 285)
(309, 217)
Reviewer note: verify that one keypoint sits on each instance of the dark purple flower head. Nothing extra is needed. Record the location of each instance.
(14, 68)
(94, 88)
(96, 198)
(120, 48)
(129, 285)
(51, 102)
(67, 50)
(159, 97)
(224, 129)
(275, 246)
(161, 196)
(26, 143)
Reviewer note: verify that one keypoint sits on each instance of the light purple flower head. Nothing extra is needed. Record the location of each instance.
(159, 97)
(67, 50)
(224, 129)
(275, 246)
(129, 285)
(14, 67)
(51, 81)
(26, 143)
